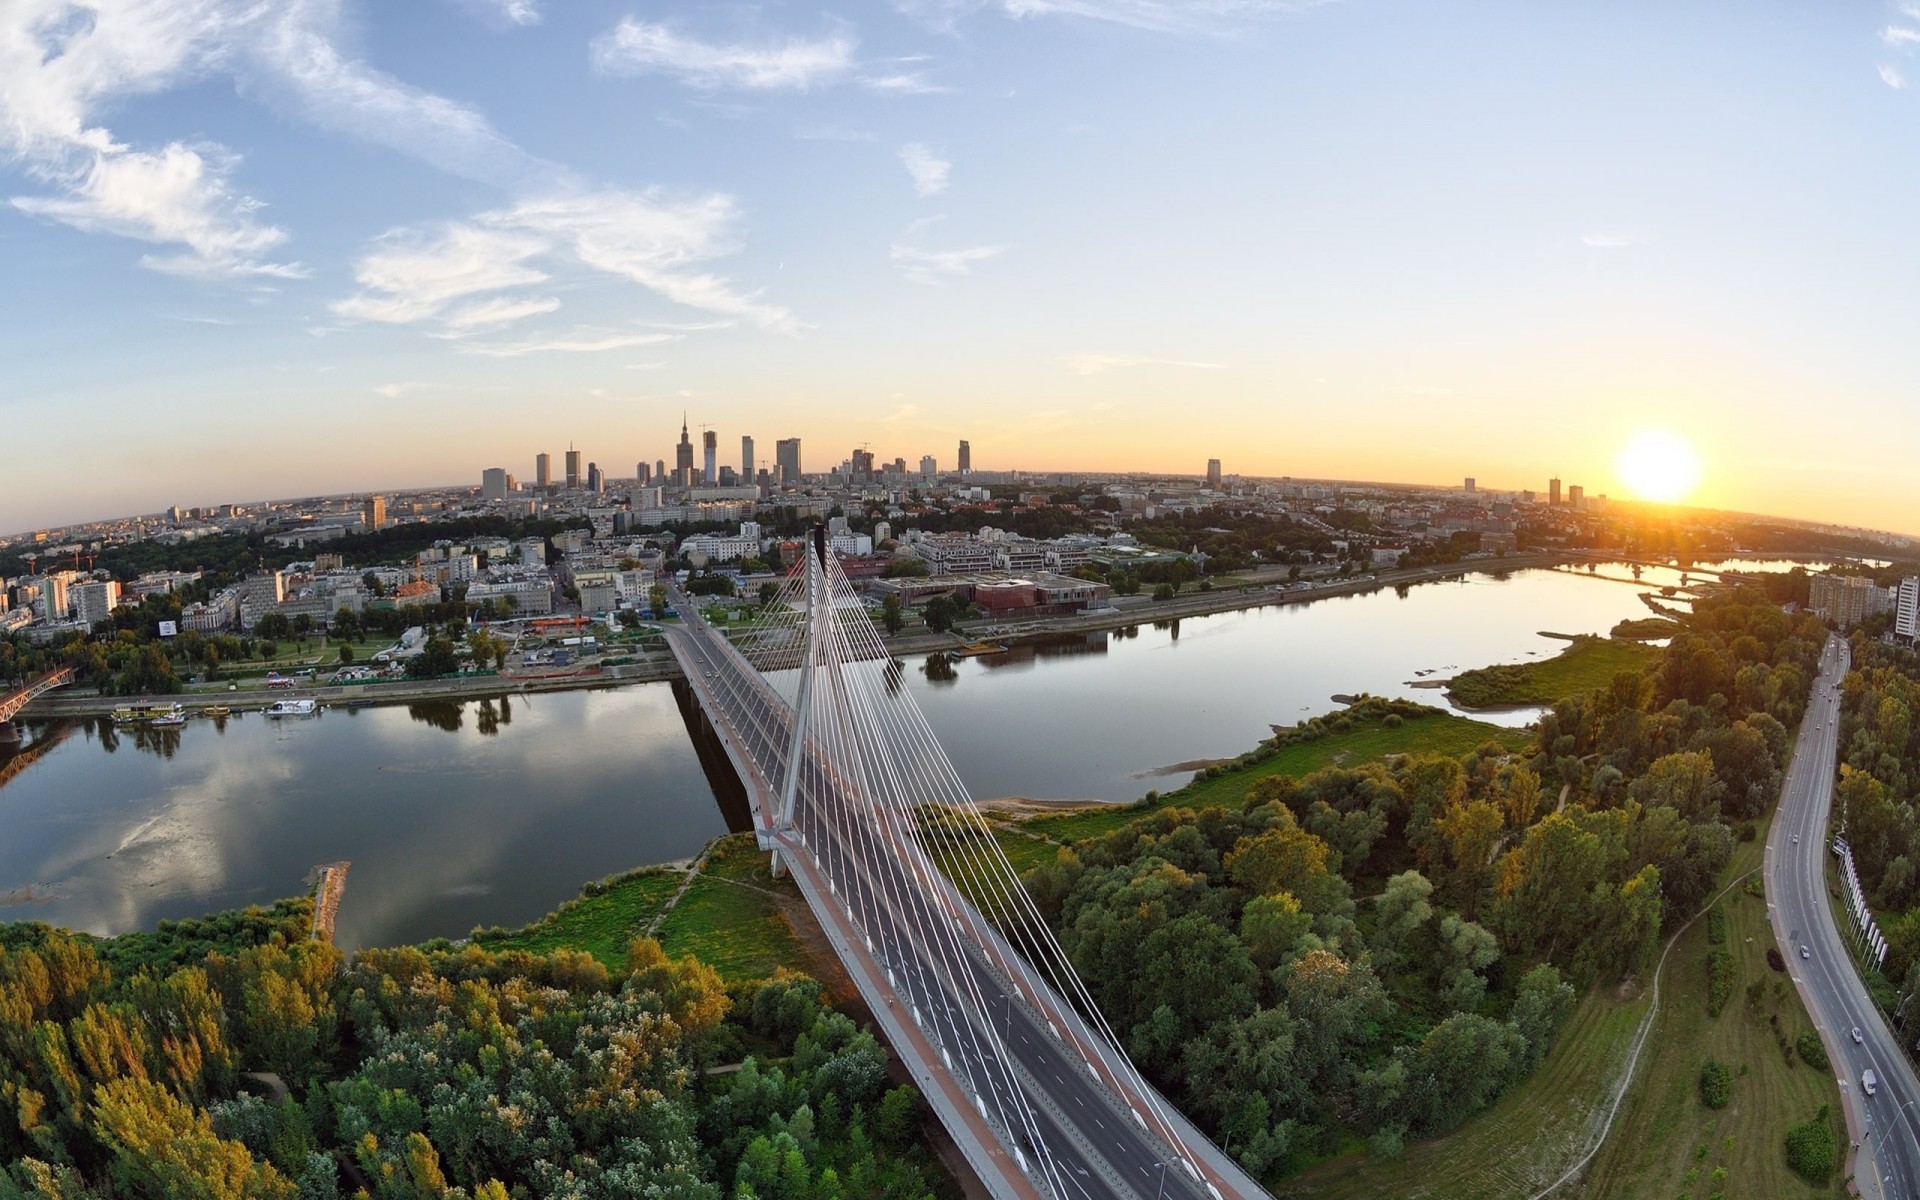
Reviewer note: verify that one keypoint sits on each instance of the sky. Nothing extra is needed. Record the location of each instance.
(315, 246)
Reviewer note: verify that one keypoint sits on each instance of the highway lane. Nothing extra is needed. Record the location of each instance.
(1817, 954)
(1100, 1151)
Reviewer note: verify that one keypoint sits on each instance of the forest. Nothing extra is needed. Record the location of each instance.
(232, 1057)
(1377, 952)
(1874, 801)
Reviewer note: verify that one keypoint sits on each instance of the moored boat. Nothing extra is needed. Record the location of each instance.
(290, 708)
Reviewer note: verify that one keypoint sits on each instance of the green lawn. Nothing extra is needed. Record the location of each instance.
(1440, 733)
(601, 924)
(1586, 664)
(1538, 1130)
(730, 918)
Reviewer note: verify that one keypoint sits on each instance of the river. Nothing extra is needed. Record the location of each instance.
(457, 814)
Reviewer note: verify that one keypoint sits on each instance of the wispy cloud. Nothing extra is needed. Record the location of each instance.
(1892, 78)
(410, 276)
(505, 12)
(587, 342)
(903, 83)
(832, 133)
(1614, 240)
(394, 391)
(635, 47)
(933, 267)
(929, 173)
(1900, 37)
(1096, 364)
(1169, 16)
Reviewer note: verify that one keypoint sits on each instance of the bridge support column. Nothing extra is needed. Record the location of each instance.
(9, 735)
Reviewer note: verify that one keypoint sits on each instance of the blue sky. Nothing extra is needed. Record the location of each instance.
(321, 245)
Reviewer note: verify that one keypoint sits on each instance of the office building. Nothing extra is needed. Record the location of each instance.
(1553, 492)
(862, 466)
(543, 471)
(746, 459)
(1906, 608)
(493, 484)
(659, 471)
(596, 482)
(1470, 488)
(710, 444)
(928, 467)
(374, 514)
(966, 459)
(683, 457)
(1213, 473)
(1577, 498)
(573, 468)
(786, 459)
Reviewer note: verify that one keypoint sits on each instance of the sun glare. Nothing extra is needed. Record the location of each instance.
(1659, 466)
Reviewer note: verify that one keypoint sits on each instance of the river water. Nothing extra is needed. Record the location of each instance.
(457, 814)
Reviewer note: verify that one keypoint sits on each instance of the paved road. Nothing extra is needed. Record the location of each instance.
(999, 1041)
(1798, 847)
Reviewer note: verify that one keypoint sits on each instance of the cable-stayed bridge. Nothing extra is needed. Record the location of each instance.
(852, 792)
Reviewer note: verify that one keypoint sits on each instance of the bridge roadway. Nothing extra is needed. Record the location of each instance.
(988, 1010)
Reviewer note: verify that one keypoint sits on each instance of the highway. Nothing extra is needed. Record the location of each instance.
(1798, 848)
(1000, 1031)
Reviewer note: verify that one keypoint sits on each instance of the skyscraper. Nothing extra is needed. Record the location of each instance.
(928, 467)
(862, 466)
(746, 459)
(493, 484)
(683, 457)
(710, 443)
(1553, 492)
(786, 459)
(642, 473)
(966, 459)
(596, 482)
(1472, 486)
(573, 468)
(1577, 498)
(543, 471)
(1213, 473)
(660, 470)
(375, 512)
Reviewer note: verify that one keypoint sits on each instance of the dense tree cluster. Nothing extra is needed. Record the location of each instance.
(278, 1068)
(1875, 801)
(1384, 949)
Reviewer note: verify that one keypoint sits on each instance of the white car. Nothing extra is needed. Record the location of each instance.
(1857, 1039)
(1805, 953)
(1796, 839)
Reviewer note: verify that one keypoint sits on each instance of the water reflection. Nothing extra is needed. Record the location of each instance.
(447, 715)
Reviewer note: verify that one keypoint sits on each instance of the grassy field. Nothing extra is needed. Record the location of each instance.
(730, 916)
(1586, 664)
(1441, 733)
(601, 924)
(1665, 1143)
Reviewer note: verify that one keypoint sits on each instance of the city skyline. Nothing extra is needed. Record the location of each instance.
(912, 222)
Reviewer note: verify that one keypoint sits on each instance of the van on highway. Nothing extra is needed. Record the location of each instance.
(1869, 1082)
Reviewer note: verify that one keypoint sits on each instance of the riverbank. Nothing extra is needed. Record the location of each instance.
(1127, 611)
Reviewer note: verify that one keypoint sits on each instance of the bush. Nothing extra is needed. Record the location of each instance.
(1812, 1052)
(1746, 831)
(1810, 1148)
(1774, 960)
(1716, 926)
(1719, 981)
(1716, 1084)
(1393, 721)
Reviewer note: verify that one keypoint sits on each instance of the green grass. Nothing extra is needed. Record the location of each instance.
(1585, 665)
(1440, 733)
(730, 917)
(1539, 1129)
(601, 924)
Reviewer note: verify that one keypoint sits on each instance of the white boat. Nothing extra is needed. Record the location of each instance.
(290, 708)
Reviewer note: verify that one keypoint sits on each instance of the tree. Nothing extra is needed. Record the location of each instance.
(939, 613)
(436, 659)
(891, 617)
(346, 654)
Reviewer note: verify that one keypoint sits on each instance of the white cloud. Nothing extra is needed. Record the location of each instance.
(409, 278)
(902, 83)
(499, 311)
(929, 173)
(934, 267)
(1611, 240)
(505, 12)
(591, 342)
(635, 47)
(1892, 78)
(1899, 36)
(1172, 16)
(394, 391)
(1096, 364)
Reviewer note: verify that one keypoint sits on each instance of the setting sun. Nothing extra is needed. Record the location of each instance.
(1659, 466)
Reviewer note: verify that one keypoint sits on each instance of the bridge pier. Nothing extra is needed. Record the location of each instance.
(9, 736)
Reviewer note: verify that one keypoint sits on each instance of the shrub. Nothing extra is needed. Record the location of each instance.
(1719, 981)
(1812, 1052)
(1810, 1148)
(1774, 960)
(1716, 1084)
(1393, 721)
(1716, 926)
